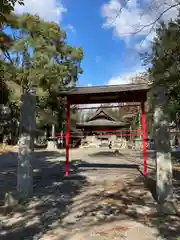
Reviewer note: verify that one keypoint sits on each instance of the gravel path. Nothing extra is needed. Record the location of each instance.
(92, 203)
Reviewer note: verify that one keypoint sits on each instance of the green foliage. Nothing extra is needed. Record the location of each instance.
(165, 57)
(165, 61)
(6, 7)
(36, 53)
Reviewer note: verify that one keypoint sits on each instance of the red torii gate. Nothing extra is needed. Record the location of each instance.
(126, 93)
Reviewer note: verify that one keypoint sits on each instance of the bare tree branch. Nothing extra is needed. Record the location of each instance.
(7, 56)
(142, 27)
(119, 11)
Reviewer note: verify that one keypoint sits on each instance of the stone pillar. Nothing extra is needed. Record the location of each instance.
(26, 145)
(162, 145)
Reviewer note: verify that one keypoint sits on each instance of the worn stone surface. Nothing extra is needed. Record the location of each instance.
(27, 127)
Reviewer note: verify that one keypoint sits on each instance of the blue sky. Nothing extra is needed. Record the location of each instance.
(105, 56)
(111, 53)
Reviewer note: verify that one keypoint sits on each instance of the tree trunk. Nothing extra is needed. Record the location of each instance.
(26, 145)
(162, 144)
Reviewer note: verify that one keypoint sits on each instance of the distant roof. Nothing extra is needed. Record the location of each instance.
(101, 113)
(102, 122)
(107, 94)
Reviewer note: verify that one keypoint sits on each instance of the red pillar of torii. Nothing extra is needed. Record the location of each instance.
(143, 123)
(67, 137)
(127, 93)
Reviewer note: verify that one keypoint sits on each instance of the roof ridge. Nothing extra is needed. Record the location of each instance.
(99, 110)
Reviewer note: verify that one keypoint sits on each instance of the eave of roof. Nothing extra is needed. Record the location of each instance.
(102, 122)
(106, 89)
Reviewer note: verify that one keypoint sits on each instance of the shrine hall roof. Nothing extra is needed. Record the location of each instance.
(103, 114)
(103, 122)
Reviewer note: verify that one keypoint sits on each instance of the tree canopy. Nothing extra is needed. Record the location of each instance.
(36, 54)
(6, 7)
(165, 61)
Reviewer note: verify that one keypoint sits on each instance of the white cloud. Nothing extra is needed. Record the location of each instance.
(71, 28)
(127, 17)
(47, 9)
(146, 42)
(125, 78)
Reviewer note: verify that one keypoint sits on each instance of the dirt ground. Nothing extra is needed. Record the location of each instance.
(99, 200)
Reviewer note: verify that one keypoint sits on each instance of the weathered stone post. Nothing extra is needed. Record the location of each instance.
(26, 144)
(162, 143)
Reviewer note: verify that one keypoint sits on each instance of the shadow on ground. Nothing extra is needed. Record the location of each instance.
(56, 197)
(136, 200)
(104, 154)
(175, 155)
(131, 162)
(51, 200)
(131, 201)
